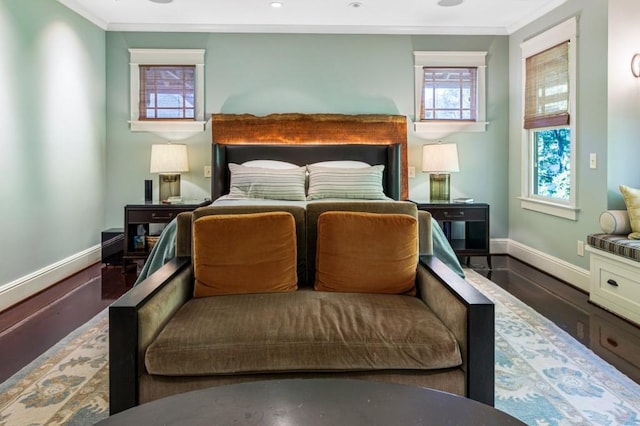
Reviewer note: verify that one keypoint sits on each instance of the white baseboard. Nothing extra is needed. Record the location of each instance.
(24, 287)
(27, 286)
(574, 275)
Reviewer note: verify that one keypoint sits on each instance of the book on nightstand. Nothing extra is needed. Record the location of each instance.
(463, 200)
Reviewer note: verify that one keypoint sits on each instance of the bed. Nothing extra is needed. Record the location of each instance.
(350, 147)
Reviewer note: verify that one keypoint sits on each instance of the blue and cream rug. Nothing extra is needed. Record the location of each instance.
(543, 376)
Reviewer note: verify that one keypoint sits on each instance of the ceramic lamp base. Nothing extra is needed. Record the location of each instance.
(169, 186)
(439, 188)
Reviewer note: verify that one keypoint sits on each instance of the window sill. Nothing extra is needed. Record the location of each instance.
(566, 212)
(168, 126)
(446, 127)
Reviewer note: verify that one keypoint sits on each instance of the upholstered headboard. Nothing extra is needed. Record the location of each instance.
(241, 137)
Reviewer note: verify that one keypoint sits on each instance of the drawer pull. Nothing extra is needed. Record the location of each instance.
(612, 282)
(460, 214)
(612, 342)
(160, 216)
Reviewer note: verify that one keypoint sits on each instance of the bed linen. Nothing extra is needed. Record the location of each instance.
(165, 248)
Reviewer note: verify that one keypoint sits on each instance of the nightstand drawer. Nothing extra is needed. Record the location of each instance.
(142, 216)
(462, 214)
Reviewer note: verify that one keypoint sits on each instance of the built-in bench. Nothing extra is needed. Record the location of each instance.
(615, 274)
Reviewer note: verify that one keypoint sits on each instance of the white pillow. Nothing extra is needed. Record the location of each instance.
(342, 164)
(270, 164)
(615, 222)
(272, 184)
(353, 183)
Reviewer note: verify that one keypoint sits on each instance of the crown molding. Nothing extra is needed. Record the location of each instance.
(307, 29)
(78, 7)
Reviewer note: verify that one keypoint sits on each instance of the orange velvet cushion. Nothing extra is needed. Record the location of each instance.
(366, 252)
(244, 253)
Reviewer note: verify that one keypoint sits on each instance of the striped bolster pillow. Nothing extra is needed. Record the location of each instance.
(272, 184)
(363, 183)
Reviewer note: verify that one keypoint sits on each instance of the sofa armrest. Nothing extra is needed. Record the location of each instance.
(470, 316)
(425, 236)
(135, 320)
(183, 234)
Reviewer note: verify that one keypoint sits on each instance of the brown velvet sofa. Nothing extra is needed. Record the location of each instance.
(164, 341)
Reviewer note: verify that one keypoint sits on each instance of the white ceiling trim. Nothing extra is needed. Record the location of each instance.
(77, 6)
(554, 4)
(307, 29)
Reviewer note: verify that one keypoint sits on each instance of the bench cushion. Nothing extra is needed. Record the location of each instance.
(301, 331)
(616, 244)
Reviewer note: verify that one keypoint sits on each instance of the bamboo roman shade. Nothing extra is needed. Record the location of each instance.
(547, 88)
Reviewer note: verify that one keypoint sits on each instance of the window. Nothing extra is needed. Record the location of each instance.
(549, 183)
(167, 90)
(450, 92)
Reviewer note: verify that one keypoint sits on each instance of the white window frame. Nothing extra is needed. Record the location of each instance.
(166, 57)
(440, 128)
(528, 200)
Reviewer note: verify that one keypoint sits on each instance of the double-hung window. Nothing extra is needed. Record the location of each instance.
(449, 92)
(167, 90)
(549, 182)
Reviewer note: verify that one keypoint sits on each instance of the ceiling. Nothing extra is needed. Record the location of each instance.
(500, 17)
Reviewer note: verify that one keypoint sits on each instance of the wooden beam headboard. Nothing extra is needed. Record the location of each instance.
(294, 128)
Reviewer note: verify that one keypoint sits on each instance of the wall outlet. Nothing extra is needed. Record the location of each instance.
(207, 171)
(580, 248)
(411, 171)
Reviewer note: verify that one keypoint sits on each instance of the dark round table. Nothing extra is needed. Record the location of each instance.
(311, 402)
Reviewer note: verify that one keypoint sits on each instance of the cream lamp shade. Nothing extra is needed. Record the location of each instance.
(169, 160)
(439, 160)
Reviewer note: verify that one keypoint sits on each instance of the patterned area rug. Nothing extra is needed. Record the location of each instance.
(543, 376)
(67, 385)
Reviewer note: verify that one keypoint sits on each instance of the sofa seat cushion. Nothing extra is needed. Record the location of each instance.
(301, 331)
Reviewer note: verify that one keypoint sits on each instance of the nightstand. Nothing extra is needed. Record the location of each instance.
(475, 219)
(151, 218)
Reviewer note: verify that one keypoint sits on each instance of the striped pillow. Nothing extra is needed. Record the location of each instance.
(272, 184)
(354, 183)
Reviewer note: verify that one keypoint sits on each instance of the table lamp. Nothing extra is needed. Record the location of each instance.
(439, 160)
(169, 160)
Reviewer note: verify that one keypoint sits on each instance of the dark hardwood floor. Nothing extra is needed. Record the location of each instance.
(31, 327)
(34, 325)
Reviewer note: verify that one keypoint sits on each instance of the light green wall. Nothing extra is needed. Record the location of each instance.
(52, 119)
(549, 234)
(623, 149)
(262, 74)
(65, 180)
